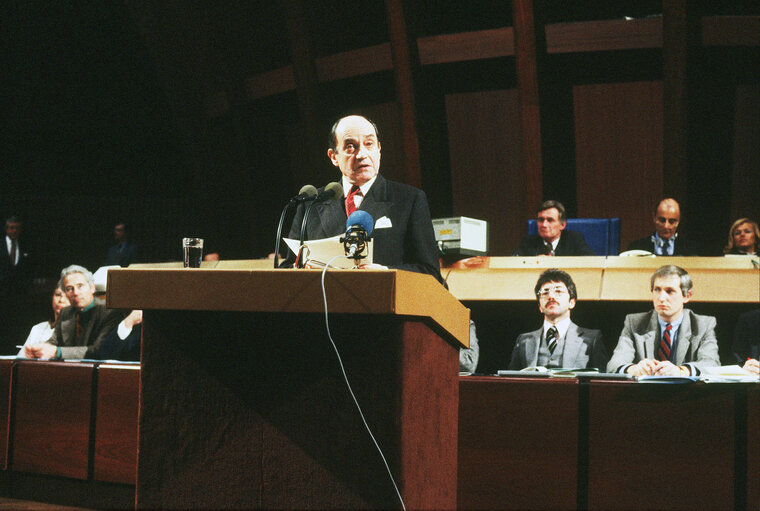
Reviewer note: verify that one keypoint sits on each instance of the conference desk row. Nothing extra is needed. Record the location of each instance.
(68, 432)
(523, 443)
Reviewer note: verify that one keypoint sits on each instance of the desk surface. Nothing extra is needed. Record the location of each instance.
(613, 278)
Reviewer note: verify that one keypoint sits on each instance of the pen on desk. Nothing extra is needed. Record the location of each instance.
(19, 346)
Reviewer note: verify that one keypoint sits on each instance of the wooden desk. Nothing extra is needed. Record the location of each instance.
(6, 386)
(53, 412)
(558, 444)
(115, 450)
(613, 278)
(518, 443)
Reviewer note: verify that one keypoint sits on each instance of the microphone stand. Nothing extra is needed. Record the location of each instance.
(303, 229)
(279, 233)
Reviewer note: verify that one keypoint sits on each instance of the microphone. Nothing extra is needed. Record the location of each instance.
(332, 191)
(359, 227)
(306, 193)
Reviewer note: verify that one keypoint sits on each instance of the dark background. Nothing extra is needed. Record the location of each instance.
(201, 119)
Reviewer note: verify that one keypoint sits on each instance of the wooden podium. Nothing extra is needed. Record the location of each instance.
(243, 403)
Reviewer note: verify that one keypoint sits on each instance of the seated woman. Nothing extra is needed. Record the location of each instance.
(41, 332)
(743, 238)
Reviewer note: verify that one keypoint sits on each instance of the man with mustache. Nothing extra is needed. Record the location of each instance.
(669, 340)
(559, 342)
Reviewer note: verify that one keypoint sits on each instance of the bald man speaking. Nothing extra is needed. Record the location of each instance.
(403, 236)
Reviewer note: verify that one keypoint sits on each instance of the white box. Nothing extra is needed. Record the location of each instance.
(461, 236)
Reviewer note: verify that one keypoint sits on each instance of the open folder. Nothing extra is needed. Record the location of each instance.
(318, 253)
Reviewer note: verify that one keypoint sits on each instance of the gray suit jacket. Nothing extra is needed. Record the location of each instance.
(697, 344)
(583, 348)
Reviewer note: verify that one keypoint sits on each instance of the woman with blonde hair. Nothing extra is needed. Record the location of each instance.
(743, 237)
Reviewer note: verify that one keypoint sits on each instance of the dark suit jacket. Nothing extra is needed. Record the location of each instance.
(14, 280)
(681, 246)
(697, 345)
(115, 348)
(583, 348)
(100, 323)
(407, 244)
(123, 258)
(747, 336)
(571, 243)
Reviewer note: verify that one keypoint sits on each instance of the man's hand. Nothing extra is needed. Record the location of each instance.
(667, 368)
(646, 367)
(752, 365)
(45, 351)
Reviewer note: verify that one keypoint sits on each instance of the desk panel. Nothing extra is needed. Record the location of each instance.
(115, 457)
(6, 383)
(518, 443)
(53, 411)
(753, 448)
(661, 446)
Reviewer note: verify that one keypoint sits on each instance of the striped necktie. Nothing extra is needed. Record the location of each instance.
(551, 339)
(665, 344)
(350, 204)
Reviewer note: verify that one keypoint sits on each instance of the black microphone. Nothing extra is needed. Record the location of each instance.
(332, 191)
(307, 192)
(358, 230)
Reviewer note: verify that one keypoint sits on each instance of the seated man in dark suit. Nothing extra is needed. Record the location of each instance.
(665, 240)
(403, 235)
(552, 238)
(669, 340)
(124, 342)
(747, 340)
(559, 342)
(81, 327)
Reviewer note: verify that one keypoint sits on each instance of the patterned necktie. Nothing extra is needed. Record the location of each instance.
(80, 326)
(350, 204)
(551, 339)
(13, 253)
(665, 344)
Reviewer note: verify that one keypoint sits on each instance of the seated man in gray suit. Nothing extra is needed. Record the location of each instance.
(559, 342)
(669, 340)
(83, 326)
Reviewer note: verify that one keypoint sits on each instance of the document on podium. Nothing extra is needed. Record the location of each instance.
(317, 253)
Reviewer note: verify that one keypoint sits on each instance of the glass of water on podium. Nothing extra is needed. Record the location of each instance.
(192, 249)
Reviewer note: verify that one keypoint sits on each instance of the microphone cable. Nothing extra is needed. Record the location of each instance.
(350, 390)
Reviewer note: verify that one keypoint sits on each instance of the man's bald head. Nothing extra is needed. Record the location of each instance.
(667, 217)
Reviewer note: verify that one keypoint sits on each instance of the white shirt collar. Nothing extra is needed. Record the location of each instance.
(364, 188)
(562, 327)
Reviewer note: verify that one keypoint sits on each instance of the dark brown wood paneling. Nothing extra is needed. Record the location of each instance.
(731, 31)
(486, 179)
(527, 59)
(483, 44)
(52, 427)
(604, 35)
(115, 457)
(745, 180)
(405, 69)
(753, 448)
(512, 454)
(618, 147)
(648, 450)
(6, 384)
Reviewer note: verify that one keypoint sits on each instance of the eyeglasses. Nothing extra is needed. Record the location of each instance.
(557, 290)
